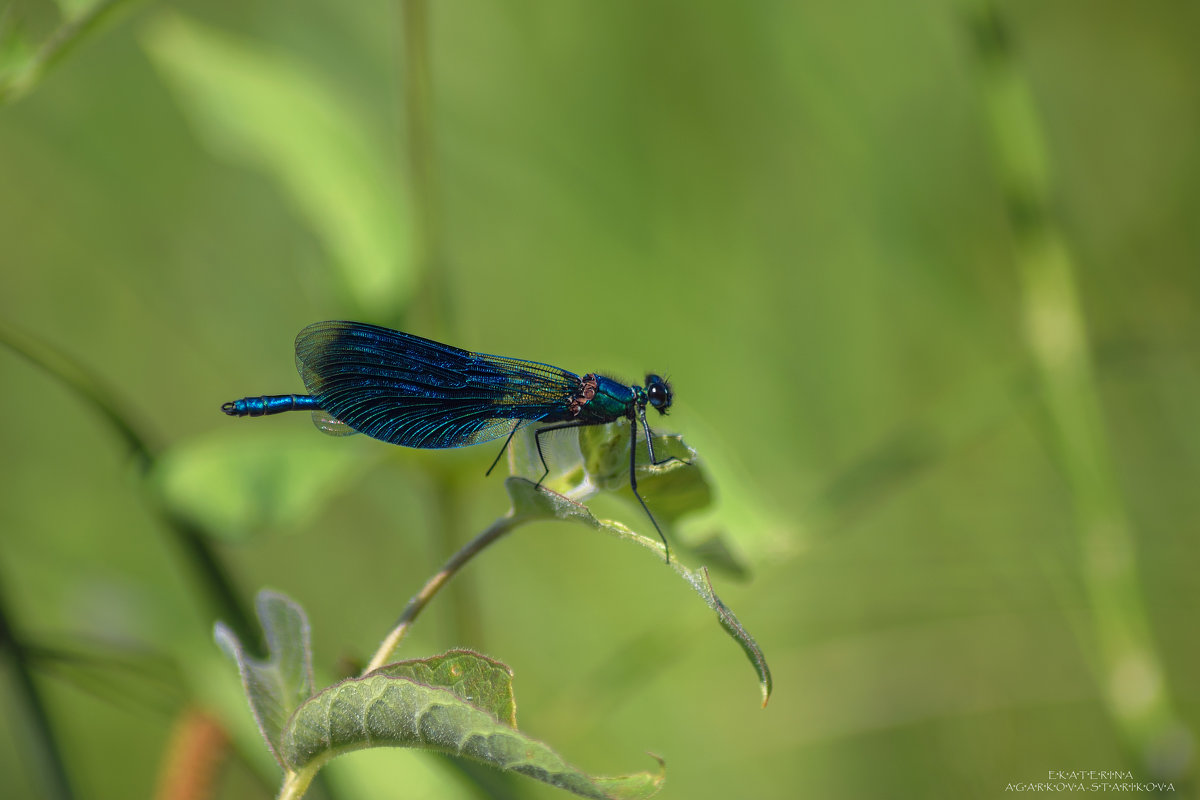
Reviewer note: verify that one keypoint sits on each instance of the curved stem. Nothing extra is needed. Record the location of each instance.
(1060, 347)
(421, 599)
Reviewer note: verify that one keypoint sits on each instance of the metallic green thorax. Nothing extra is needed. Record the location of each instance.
(610, 401)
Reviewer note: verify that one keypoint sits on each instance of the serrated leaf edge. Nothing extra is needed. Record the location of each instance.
(521, 496)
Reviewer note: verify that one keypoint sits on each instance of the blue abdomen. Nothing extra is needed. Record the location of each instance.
(270, 404)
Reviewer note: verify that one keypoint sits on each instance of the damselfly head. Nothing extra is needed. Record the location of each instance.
(658, 393)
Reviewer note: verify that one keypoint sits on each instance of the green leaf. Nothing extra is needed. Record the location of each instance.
(277, 686)
(596, 458)
(482, 681)
(460, 703)
(530, 503)
(383, 710)
(239, 482)
(274, 112)
(679, 477)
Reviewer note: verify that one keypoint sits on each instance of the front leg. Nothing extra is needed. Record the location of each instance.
(537, 439)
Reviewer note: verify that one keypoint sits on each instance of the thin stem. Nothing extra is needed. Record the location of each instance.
(44, 747)
(194, 544)
(421, 599)
(68, 36)
(1133, 679)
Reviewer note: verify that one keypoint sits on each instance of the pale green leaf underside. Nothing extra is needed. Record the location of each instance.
(383, 711)
(277, 686)
(595, 459)
(530, 503)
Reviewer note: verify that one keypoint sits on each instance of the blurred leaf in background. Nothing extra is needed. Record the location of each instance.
(277, 114)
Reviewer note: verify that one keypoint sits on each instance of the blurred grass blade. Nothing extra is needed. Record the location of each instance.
(529, 503)
(125, 675)
(28, 710)
(273, 112)
(22, 76)
(1132, 679)
(92, 390)
(277, 686)
(82, 381)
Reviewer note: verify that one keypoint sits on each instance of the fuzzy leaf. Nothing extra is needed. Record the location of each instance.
(277, 686)
(382, 710)
(481, 681)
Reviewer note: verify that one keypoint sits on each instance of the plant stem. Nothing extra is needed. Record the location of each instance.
(194, 543)
(1131, 674)
(295, 784)
(44, 747)
(421, 599)
(67, 37)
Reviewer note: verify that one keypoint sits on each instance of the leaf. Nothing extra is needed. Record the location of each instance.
(606, 457)
(233, 485)
(674, 489)
(382, 710)
(278, 114)
(479, 680)
(460, 703)
(278, 686)
(596, 459)
(529, 503)
(703, 586)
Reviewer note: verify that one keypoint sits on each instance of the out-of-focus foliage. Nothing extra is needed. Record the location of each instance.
(802, 214)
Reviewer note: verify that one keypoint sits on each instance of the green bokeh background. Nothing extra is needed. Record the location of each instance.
(799, 212)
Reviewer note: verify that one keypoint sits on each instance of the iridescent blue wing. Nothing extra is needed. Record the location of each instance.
(414, 392)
